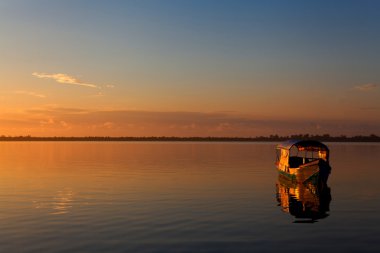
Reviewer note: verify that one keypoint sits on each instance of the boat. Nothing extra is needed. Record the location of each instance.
(303, 160)
(306, 202)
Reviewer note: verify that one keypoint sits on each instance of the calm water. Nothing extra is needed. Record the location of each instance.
(180, 197)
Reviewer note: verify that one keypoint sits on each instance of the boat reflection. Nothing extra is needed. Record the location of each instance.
(307, 202)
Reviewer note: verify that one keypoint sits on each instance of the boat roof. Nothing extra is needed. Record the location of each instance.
(303, 145)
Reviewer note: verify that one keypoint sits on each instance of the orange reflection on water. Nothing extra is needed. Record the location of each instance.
(307, 201)
(64, 177)
(63, 202)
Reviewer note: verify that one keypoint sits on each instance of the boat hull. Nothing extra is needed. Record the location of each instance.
(316, 171)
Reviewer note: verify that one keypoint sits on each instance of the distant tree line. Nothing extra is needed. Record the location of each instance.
(271, 138)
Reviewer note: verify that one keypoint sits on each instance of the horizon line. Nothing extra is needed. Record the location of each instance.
(271, 138)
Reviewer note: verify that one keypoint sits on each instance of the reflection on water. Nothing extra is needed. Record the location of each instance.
(91, 197)
(307, 202)
(62, 202)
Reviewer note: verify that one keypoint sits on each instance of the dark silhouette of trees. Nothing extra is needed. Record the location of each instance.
(271, 138)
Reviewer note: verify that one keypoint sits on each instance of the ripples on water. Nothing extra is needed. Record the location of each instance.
(177, 197)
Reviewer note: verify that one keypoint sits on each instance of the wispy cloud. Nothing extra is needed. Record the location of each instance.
(65, 79)
(51, 120)
(99, 94)
(366, 87)
(147, 123)
(30, 93)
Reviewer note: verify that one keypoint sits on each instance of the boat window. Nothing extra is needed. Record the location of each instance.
(310, 156)
(302, 153)
(295, 161)
(294, 151)
(323, 155)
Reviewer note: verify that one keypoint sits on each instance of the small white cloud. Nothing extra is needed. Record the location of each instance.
(64, 124)
(64, 78)
(223, 126)
(109, 125)
(99, 94)
(49, 121)
(366, 87)
(30, 93)
(110, 86)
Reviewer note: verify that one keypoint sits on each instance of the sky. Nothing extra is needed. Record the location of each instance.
(189, 68)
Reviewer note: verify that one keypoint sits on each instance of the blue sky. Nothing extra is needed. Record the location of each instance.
(262, 60)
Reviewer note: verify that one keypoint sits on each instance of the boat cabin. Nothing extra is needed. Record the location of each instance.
(295, 153)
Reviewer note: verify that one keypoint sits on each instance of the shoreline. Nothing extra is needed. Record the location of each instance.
(325, 138)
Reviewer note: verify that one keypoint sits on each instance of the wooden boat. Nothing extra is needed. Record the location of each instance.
(303, 160)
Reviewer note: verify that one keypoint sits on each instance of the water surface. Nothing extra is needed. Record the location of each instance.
(177, 197)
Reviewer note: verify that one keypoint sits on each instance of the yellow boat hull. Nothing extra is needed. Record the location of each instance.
(310, 171)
